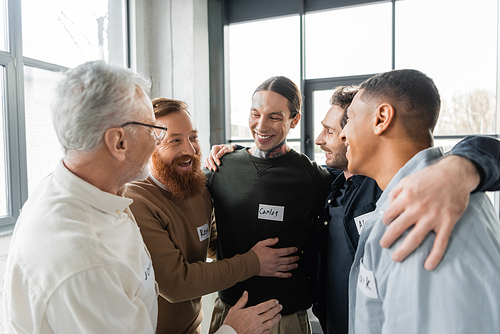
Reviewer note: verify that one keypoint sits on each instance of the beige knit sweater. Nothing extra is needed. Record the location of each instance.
(175, 232)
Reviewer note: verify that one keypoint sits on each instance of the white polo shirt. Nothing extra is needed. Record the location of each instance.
(78, 264)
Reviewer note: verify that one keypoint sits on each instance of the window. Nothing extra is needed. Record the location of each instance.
(348, 41)
(49, 37)
(3, 171)
(455, 42)
(43, 150)
(457, 48)
(257, 51)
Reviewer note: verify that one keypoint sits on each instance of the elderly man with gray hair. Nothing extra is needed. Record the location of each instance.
(77, 261)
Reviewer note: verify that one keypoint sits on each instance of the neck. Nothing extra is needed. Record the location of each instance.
(278, 151)
(93, 168)
(393, 160)
(347, 174)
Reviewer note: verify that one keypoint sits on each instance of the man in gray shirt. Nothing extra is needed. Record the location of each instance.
(389, 136)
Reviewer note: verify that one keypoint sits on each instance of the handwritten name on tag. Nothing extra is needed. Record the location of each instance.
(271, 212)
(366, 282)
(203, 232)
(361, 220)
(148, 275)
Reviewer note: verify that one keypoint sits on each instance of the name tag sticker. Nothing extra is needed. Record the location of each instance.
(148, 275)
(203, 232)
(271, 212)
(361, 220)
(366, 282)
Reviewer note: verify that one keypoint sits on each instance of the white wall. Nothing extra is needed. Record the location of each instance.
(170, 39)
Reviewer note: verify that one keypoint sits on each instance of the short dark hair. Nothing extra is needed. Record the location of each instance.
(286, 88)
(163, 107)
(412, 94)
(342, 97)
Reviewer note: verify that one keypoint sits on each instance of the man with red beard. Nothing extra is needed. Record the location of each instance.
(174, 212)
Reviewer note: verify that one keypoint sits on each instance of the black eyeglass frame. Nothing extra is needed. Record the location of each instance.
(158, 138)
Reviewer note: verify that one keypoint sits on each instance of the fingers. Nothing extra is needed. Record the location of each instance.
(283, 271)
(272, 314)
(410, 243)
(440, 244)
(285, 251)
(268, 242)
(209, 164)
(222, 151)
(397, 205)
(266, 306)
(216, 157)
(396, 229)
(242, 301)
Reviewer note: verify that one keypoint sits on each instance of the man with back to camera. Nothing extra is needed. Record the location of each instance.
(77, 262)
(353, 198)
(174, 212)
(389, 136)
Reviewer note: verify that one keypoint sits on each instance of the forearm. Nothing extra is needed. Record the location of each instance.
(484, 153)
(180, 280)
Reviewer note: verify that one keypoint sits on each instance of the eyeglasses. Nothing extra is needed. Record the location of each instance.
(159, 131)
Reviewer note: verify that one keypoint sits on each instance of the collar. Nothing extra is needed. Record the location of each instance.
(101, 200)
(421, 160)
(158, 183)
(357, 179)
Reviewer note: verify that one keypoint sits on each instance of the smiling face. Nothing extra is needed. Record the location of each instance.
(358, 136)
(176, 161)
(270, 119)
(329, 139)
(180, 142)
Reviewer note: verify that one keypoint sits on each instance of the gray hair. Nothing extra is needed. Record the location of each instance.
(92, 98)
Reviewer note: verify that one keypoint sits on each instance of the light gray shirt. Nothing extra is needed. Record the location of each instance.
(462, 295)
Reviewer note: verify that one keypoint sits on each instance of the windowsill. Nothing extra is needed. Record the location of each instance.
(5, 238)
(6, 231)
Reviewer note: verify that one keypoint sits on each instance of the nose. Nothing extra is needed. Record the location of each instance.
(342, 134)
(188, 148)
(262, 124)
(320, 140)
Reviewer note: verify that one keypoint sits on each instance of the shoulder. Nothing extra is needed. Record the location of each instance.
(141, 189)
(319, 175)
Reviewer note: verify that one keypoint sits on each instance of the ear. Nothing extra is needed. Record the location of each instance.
(384, 117)
(295, 121)
(114, 140)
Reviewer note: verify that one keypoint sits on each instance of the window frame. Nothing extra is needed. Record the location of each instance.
(16, 169)
(224, 12)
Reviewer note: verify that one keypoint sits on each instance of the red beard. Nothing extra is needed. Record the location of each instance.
(182, 185)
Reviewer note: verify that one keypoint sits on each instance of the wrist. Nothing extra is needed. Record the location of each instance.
(463, 169)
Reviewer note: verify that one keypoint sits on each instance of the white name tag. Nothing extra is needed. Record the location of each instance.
(203, 232)
(366, 282)
(148, 275)
(361, 220)
(271, 212)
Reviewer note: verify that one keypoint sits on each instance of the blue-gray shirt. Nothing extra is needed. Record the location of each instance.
(462, 295)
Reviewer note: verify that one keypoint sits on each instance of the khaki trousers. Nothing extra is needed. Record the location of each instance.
(296, 323)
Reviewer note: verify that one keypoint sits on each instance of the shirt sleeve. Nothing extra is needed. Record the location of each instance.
(179, 279)
(226, 329)
(96, 301)
(484, 153)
